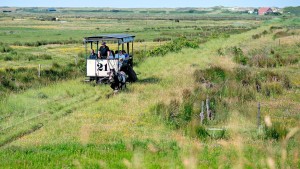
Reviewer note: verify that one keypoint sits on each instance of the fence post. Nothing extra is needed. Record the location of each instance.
(39, 71)
(258, 115)
(76, 60)
(207, 108)
(202, 112)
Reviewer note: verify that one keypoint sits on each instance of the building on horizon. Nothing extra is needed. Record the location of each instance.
(264, 11)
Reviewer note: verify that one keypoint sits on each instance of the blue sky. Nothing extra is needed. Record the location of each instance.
(148, 3)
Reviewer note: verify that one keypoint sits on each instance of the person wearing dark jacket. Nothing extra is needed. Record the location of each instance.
(103, 52)
(93, 54)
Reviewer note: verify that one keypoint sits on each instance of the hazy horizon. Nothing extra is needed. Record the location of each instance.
(149, 4)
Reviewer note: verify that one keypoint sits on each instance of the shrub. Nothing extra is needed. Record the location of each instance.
(45, 57)
(270, 77)
(27, 78)
(291, 60)
(281, 34)
(173, 113)
(139, 56)
(31, 58)
(17, 43)
(187, 111)
(256, 36)
(161, 39)
(245, 94)
(272, 88)
(275, 27)
(159, 109)
(42, 95)
(238, 55)
(55, 65)
(23, 78)
(220, 51)
(201, 132)
(241, 59)
(213, 74)
(186, 95)
(40, 43)
(7, 83)
(140, 40)
(262, 61)
(8, 58)
(174, 46)
(4, 48)
(243, 75)
(286, 82)
(265, 32)
(276, 131)
(236, 51)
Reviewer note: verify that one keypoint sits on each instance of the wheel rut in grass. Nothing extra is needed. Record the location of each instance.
(36, 122)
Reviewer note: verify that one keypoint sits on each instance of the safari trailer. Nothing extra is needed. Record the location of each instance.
(100, 69)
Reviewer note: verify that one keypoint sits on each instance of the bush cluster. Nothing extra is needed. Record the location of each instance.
(281, 34)
(45, 42)
(4, 48)
(140, 40)
(276, 57)
(257, 36)
(241, 83)
(16, 56)
(221, 85)
(182, 115)
(174, 46)
(238, 55)
(277, 131)
(19, 79)
(185, 114)
(161, 39)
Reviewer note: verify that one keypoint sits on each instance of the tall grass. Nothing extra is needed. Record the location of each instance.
(22, 78)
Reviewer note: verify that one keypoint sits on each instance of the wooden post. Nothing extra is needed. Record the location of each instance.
(39, 71)
(76, 60)
(202, 113)
(258, 115)
(279, 42)
(207, 108)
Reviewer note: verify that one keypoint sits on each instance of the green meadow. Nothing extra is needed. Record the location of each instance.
(235, 61)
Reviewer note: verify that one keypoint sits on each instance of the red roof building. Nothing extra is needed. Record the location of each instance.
(263, 11)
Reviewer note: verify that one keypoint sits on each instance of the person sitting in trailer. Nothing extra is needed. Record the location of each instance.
(103, 52)
(125, 54)
(112, 54)
(93, 54)
(117, 54)
(121, 62)
(121, 55)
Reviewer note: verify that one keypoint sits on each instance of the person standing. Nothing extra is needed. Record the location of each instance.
(103, 52)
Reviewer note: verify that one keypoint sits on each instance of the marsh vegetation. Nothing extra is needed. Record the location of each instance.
(228, 63)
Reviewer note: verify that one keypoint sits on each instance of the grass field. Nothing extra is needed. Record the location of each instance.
(154, 123)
